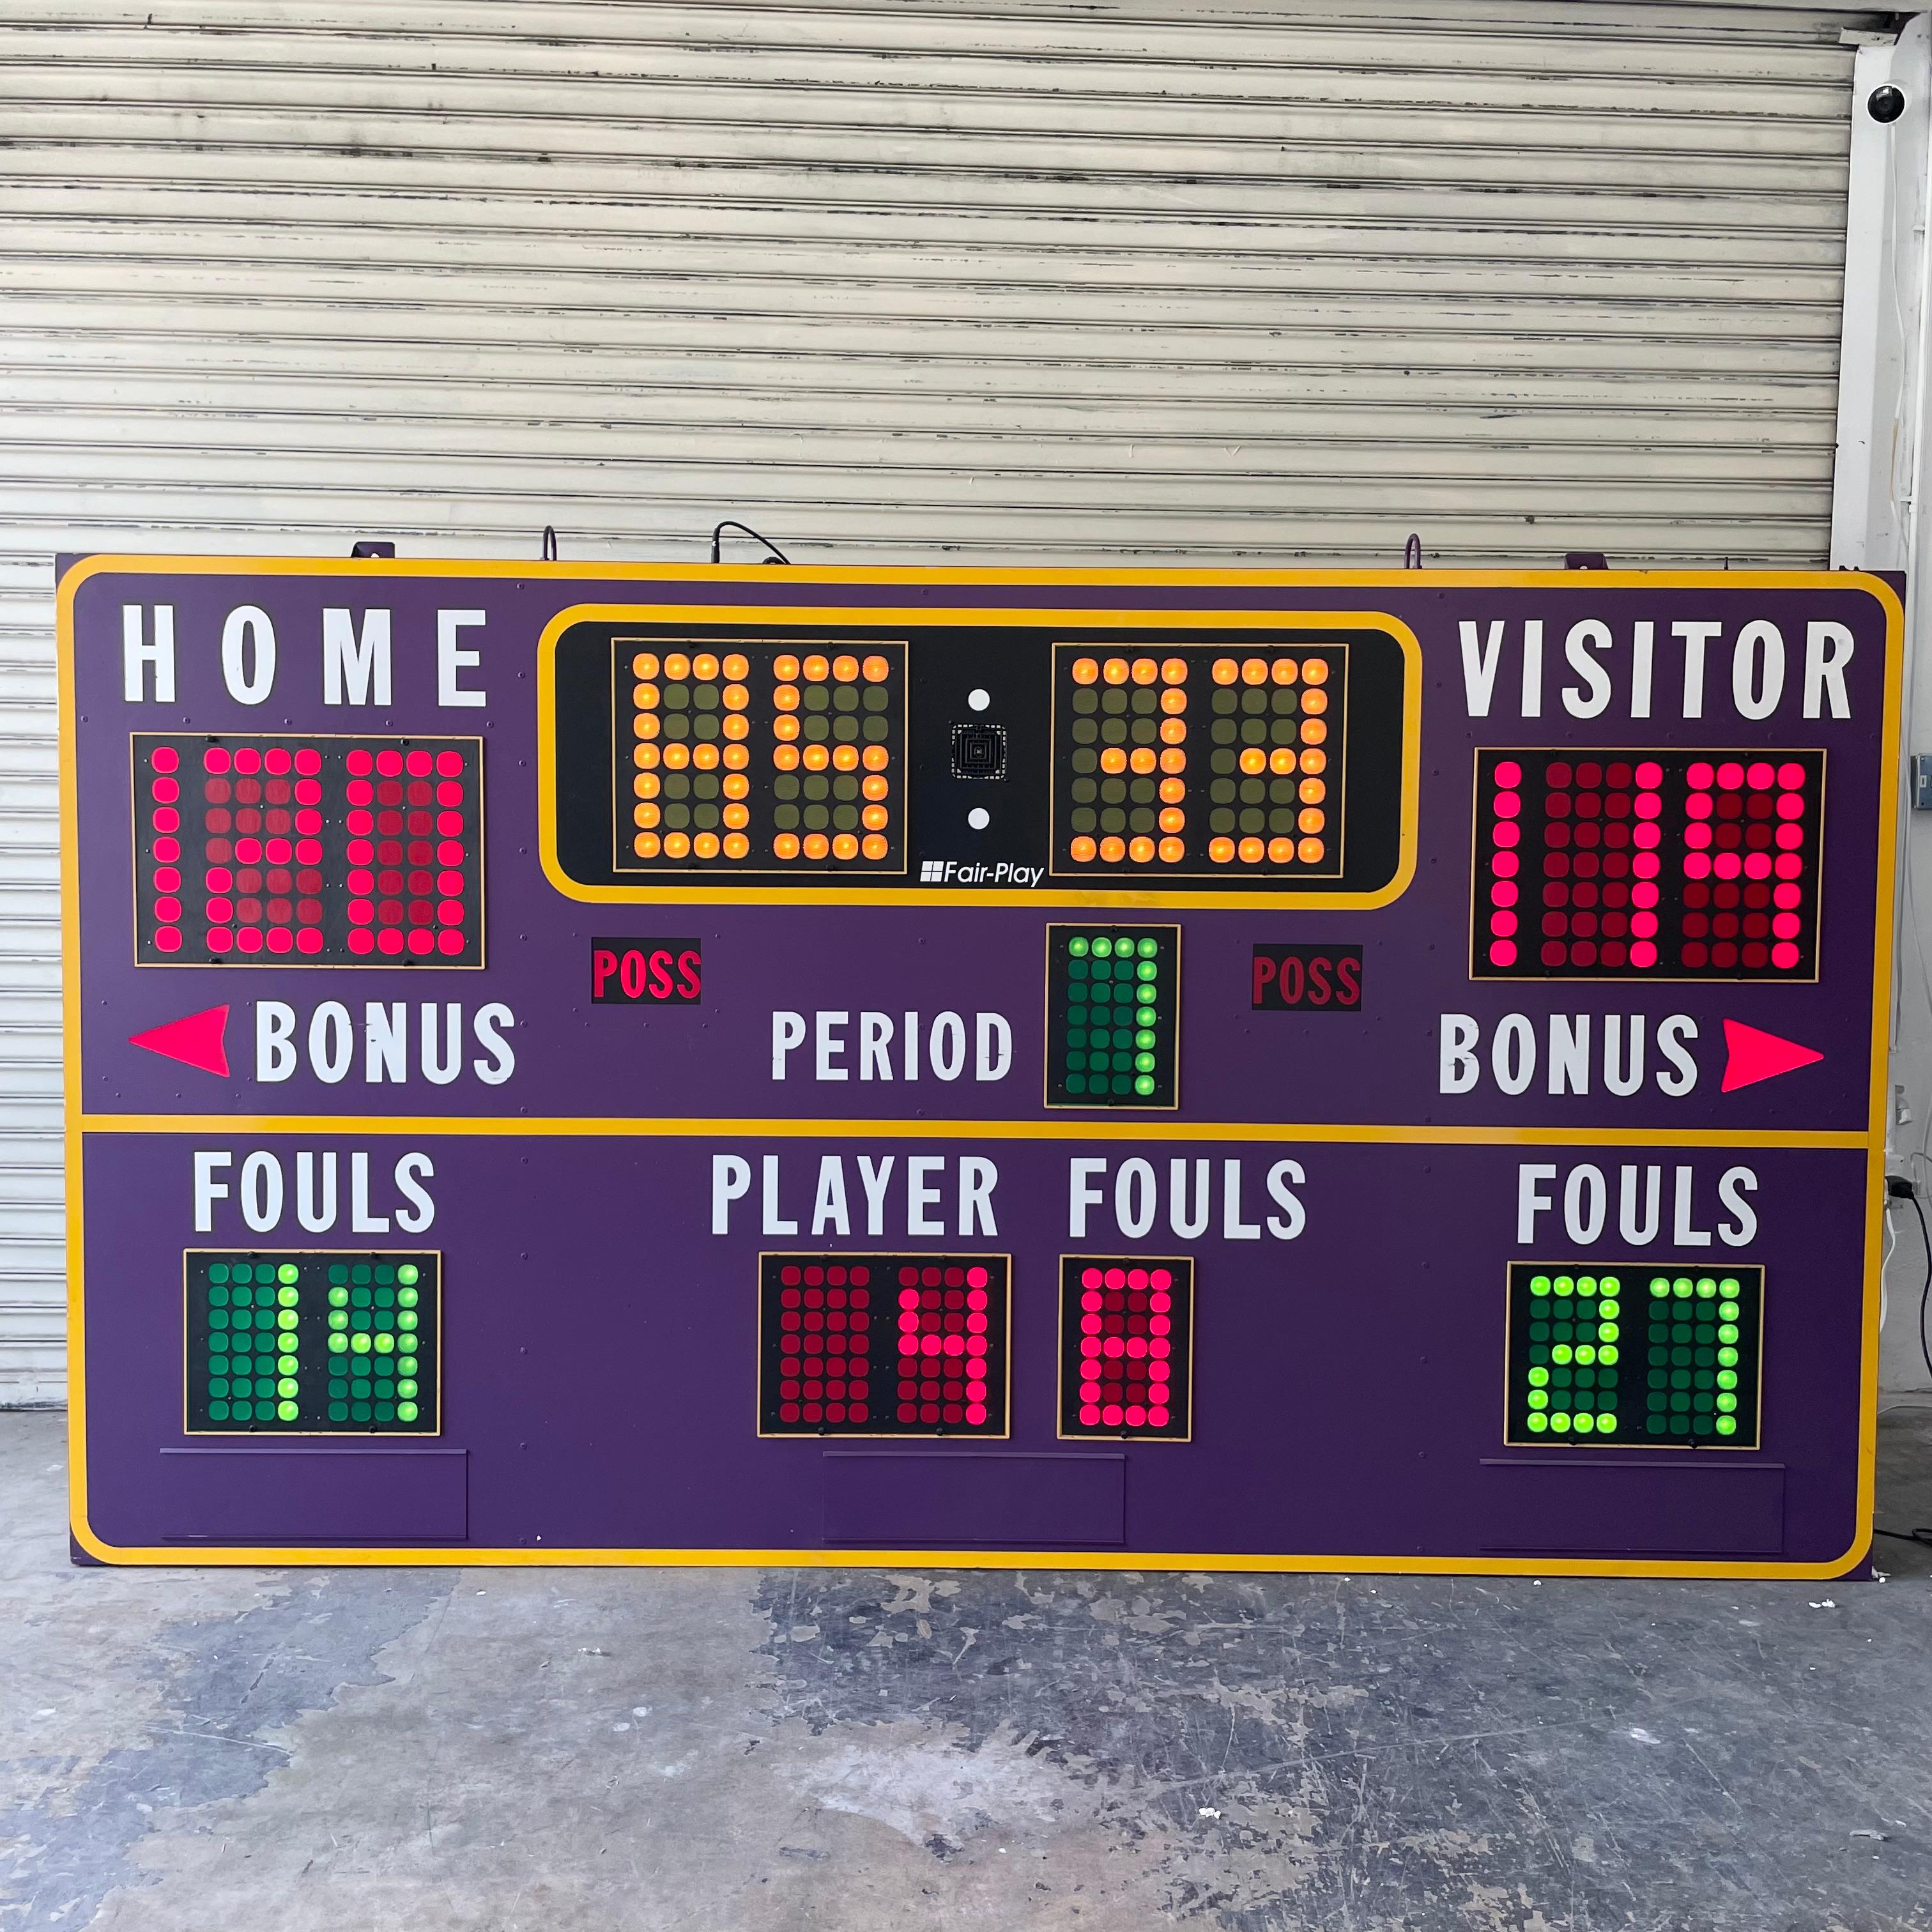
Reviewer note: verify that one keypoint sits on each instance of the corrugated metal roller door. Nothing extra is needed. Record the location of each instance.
(994, 282)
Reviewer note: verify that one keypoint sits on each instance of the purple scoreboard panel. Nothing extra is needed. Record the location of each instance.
(652, 1064)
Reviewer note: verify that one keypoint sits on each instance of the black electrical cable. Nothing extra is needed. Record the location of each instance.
(1921, 1535)
(1925, 1293)
(732, 523)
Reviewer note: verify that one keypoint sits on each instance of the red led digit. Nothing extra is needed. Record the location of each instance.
(1126, 1342)
(1645, 864)
(300, 852)
(938, 1368)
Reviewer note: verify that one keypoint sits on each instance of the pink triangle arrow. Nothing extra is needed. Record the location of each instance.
(196, 1041)
(1755, 1056)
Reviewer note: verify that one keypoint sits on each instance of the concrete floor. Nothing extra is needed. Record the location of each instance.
(226, 1751)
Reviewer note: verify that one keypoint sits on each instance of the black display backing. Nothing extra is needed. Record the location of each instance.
(962, 1301)
(307, 850)
(1114, 1402)
(1565, 889)
(944, 848)
(778, 758)
(1671, 1346)
(1138, 1073)
(324, 1389)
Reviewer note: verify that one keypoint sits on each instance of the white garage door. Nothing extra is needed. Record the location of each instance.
(1003, 281)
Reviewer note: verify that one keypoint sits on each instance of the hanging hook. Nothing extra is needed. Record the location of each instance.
(550, 543)
(1411, 552)
(732, 523)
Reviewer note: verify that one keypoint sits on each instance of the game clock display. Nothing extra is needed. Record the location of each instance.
(1199, 760)
(883, 1345)
(312, 1343)
(1126, 1347)
(758, 756)
(1634, 1357)
(308, 851)
(1647, 864)
(1113, 1016)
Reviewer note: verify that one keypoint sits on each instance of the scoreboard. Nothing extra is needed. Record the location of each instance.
(614, 1064)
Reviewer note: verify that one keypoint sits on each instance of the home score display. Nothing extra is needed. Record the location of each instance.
(1164, 1068)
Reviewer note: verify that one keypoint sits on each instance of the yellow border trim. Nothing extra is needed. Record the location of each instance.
(1873, 1140)
(1100, 1128)
(912, 619)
